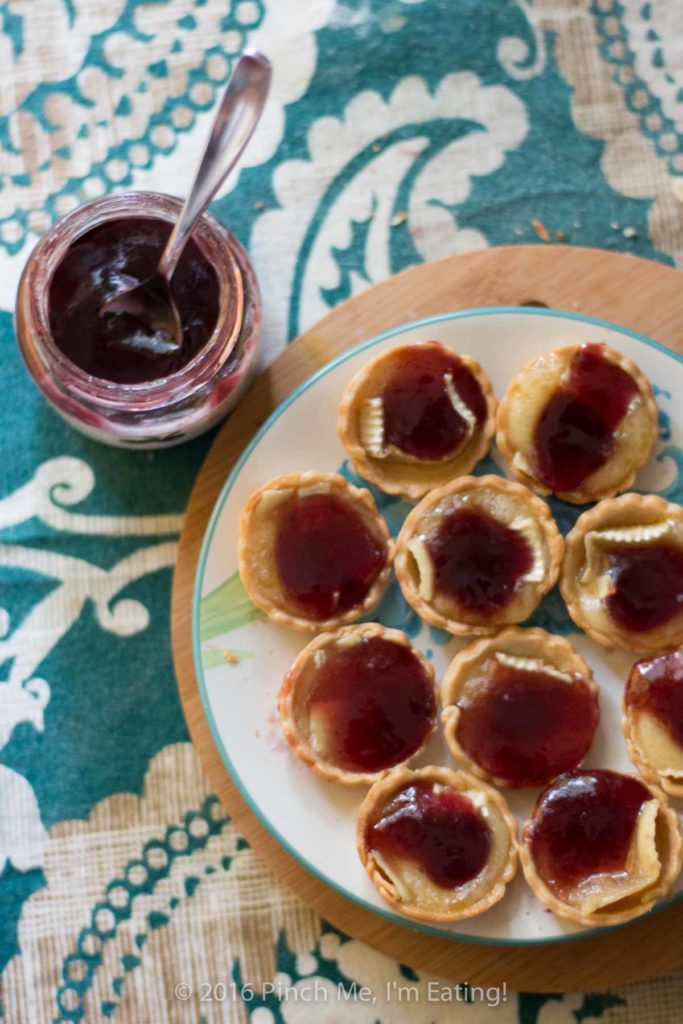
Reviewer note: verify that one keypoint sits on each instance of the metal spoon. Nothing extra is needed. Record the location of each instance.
(151, 302)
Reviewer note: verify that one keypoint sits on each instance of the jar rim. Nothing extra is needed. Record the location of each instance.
(213, 241)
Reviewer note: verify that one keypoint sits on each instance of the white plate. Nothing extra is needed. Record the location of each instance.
(315, 819)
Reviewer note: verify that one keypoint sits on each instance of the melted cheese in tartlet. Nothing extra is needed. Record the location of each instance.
(661, 751)
(528, 528)
(599, 542)
(629, 522)
(371, 428)
(414, 888)
(531, 532)
(652, 721)
(425, 567)
(486, 704)
(460, 407)
(260, 562)
(514, 508)
(532, 665)
(396, 459)
(272, 500)
(357, 702)
(405, 884)
(641, 870)
(528, 395)
(647, 860)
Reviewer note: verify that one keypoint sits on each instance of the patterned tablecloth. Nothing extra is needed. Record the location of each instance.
(398, 131)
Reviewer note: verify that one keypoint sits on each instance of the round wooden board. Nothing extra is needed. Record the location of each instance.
(632, 292)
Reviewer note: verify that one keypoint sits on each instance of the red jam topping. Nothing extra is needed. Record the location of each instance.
(100, 264)
(419, 417)
(656, 685)
(527, 727)
(327, 557)
(478, 560)
(377, 702)
(647, 585)
(574, 435)
(440, 831)
(583, 825)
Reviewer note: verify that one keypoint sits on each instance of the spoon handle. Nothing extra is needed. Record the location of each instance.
(237, 116)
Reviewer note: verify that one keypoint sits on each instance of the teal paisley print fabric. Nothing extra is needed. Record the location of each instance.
(398, 131)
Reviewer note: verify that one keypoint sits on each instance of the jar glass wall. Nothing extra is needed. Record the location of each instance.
(162, 411)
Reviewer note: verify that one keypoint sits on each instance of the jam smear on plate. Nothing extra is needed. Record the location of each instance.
(377, 703)
(436, 828)
(527, 727)
(419, 417)
(647, 589)
(478, 560)
(656, 685)
(115, 346)
(574, 435)
(583, 825)
(327, 558)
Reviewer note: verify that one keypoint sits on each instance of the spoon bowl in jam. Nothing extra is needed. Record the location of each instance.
(155, 325)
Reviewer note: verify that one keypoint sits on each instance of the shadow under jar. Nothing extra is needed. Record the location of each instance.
(97, 372)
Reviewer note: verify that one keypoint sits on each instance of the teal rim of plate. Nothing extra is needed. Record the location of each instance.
(404, 922)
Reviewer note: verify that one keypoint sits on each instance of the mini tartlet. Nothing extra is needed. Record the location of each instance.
(314, 552)
(519, 708)
(437, 845)
(358, 702)
(600, 847)
(578, 421)
(477, 554)
(417, 416)
(653, 719)
(622, 577)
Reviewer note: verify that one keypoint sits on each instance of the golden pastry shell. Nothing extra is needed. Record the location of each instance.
(287, 701)
(625, 510)
(361, 499)
(403, 561)
(669, 831)
(638, 758)
(584, 493)
(380, 794)
(412, 480)
(519, 643)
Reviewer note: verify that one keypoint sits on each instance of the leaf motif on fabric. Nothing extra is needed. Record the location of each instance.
(368, 202)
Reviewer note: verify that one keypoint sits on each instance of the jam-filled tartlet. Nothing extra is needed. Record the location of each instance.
(653, 719)
(417, 416)
(519, 708)
(578, 421)
(438, 845)
(358, 702)
(622, 578)
(314, 552)
(600, 847)
(478, 554)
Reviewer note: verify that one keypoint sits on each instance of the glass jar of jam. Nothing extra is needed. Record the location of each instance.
(102, 374)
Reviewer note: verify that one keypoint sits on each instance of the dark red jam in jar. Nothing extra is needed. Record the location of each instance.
(647, 585)
(575, 433)
(435, 828)
(326, 554)
(100, 373)
(376, 701)
(101, 263)
(583, 825)
(478, 560)
(656, 685)
(525, 727)
(419, 416)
